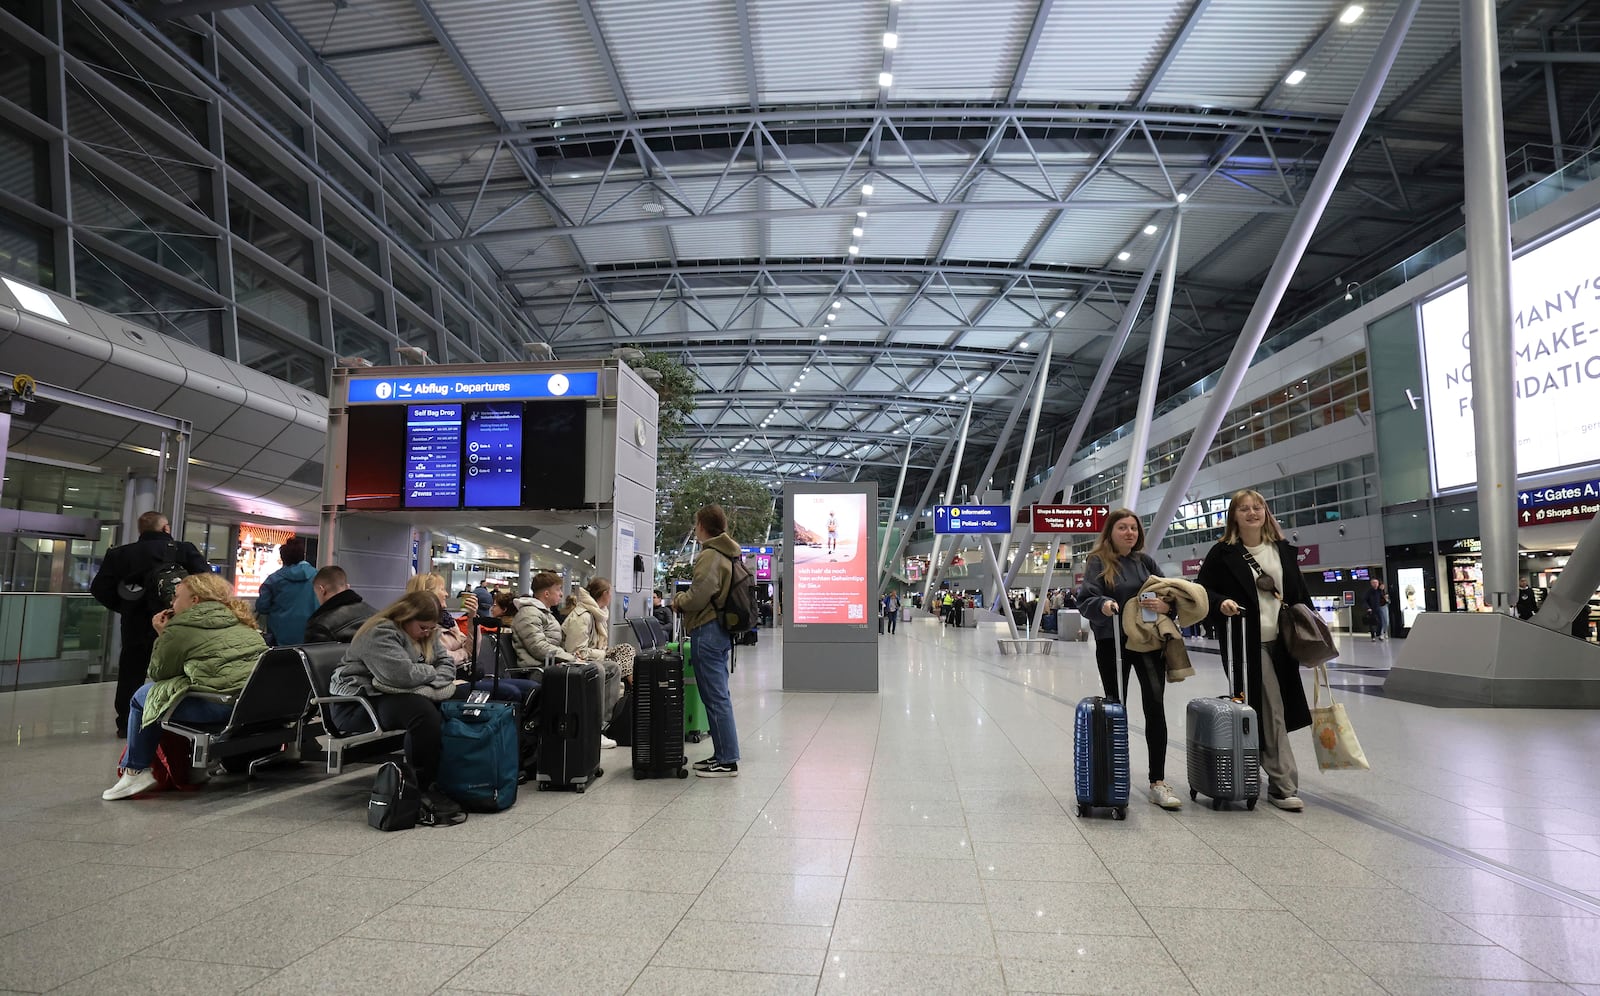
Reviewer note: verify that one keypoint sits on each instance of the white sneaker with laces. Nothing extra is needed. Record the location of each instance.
(1161, 794)
(606, 743)
(130, 784)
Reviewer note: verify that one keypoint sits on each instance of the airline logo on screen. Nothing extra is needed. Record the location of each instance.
(497, 387)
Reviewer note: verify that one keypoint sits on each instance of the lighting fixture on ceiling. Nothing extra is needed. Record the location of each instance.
(1350, 15)
(855, 250)
(1023, 344)
(651, 207)
(822, 337)
(1061, 314)
(838, 304)
(857, 233)
(1349, 291)
(866, 190)
(1124, 255)
(1294, 78)
(892, 40)
(1182, 197)
(1151, 229)
(886, 79)
(861, 214)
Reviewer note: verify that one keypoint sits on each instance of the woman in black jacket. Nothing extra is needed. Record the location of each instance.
(1240, 572)
(1115, 571)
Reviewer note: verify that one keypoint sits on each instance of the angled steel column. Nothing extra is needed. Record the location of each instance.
(927, 492)
(1154, 351)
(1489, 299)
(1021, 480)
(1340, 146)
(1039, 369)
(955, 472)
(894, 510)
(1092, 400)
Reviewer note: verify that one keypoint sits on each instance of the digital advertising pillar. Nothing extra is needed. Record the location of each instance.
(830, 635)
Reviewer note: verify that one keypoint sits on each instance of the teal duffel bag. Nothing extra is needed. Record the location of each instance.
(480, 760)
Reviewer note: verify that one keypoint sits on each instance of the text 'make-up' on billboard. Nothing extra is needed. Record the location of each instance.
(830, 559)
(1555, 328)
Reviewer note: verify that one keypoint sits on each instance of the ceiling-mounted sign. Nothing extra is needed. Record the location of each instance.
(1557, 494)
(1069, 518)
(963, 519)
(1545, 514)
(491, 387)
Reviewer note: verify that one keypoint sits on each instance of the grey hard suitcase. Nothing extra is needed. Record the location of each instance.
(1223, 739)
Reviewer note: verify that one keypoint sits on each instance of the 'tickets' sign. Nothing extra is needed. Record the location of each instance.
(1069, 518)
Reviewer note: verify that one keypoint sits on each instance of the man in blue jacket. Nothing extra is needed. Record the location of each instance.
(287, 598)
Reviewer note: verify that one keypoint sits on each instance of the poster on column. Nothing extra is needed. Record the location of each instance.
(830, 559)
(1555, 336)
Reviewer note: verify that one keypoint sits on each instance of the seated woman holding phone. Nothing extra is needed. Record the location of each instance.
(450, 635)
(399, 665)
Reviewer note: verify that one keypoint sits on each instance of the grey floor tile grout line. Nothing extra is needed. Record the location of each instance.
(1506, 872)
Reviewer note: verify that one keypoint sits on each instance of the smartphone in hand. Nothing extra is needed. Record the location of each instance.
(1147, 609)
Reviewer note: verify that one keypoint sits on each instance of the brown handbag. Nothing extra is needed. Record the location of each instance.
(1301, 631)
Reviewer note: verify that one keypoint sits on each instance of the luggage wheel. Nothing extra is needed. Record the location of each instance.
(638, 776)
(693, 738)
(1083, 811)
(1250, 804)
(597, 773)
(683, 772)
(1193, 795)
(1119, 813)
(1216, 804)
(579, 787)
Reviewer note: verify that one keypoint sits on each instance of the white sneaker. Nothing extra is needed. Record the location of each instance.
(606, 743)
(1289, 803)
(130, 784)
(1161, 795)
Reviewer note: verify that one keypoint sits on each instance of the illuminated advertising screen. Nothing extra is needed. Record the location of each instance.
(1555, 330)
(830, 559)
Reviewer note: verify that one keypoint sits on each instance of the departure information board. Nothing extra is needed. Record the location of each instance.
(433, 456)
(494, 455)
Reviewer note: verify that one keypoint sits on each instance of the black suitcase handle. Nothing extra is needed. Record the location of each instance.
(1234, 642)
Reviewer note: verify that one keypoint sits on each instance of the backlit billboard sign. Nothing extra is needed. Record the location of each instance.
(830, 555)
(1555, 329)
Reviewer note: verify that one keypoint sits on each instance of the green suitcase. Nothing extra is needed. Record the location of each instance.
(695, 726)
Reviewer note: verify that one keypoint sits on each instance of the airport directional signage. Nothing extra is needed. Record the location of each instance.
(972, 519)
(490, 387)
(1530, 499)
(1049, 519)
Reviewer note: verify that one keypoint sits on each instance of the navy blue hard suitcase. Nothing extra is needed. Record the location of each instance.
(480, 762)
(1100, 753)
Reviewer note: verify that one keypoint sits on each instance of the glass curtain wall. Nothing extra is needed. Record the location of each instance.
(176, 176)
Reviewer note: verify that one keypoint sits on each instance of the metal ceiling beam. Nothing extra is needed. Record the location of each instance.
(1025, 60)
(1286, 122)
(1196, 11)
(157, 11)
(844, 210)
(606, 62)
(747, 54)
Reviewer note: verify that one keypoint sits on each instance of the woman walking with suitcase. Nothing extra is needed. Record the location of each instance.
(1115, 571)
(1245, 573)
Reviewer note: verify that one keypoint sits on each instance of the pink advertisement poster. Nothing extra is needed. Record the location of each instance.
(830, 559)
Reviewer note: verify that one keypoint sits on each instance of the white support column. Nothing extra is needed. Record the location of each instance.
(1340, 147)
(1155, 350)
(955, 473)
(1021, 481)
(894, 510)
(1489, 299)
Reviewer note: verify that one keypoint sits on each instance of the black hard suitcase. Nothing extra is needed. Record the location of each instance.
(1222, 735)
(569, 726)
(658, 715)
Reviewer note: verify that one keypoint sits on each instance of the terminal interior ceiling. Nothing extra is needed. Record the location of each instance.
(846, 219)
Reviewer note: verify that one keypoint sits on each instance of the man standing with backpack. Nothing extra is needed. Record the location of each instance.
(136, 581)
(703, 608)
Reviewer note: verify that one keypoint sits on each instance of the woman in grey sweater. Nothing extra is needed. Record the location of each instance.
(398, 665)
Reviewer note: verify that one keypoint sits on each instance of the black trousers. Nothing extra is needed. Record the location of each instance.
(893, 617)
(133, 667)
(417, 715)
(1152, 671)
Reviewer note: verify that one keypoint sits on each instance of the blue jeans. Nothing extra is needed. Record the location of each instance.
(708, 652)
(143, 740)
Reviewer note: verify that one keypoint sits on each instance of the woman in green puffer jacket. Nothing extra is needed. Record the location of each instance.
(207, 642)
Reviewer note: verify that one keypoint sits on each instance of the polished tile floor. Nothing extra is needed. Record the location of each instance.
(922, 840)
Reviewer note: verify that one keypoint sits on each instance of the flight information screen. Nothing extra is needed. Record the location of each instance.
(493, 455)
(433, 456)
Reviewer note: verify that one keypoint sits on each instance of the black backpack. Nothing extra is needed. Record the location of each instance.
(738, 609)
(156, 588)
(396, 800)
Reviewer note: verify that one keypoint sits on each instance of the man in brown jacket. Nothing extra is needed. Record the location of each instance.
(709, 642)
